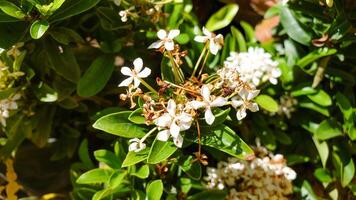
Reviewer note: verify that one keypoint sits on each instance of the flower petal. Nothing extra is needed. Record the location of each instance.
(241, 113)
(138, 64)
(136, 82)
(236, 102)
(207, 32)
(164, 120)
(133, 146)
(253, 107)
(161, 34)
(156, 45)
(201, 39)
(144, 73)
(169, 45)
(213, 47)
(252, 94)
(126, 71)
(163, 135)
(218, 102)
(209, 117)
(173, 33)
(126, 82)
(174, 129)
(205, 92)
(196, 104)
(171, 107)
(178, 141)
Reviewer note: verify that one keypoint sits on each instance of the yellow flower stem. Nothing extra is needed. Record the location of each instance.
(204, 62)
(148, 86)
(199, 60)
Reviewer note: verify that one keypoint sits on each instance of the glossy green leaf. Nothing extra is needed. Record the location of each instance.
(84, 154)
(315, 107)
(118, 124)
(95, 176)
(11, 9)
(90, 83)
(107, 157)
(65, 35)
(307, 191)
(142, 173)
(137, 117)
(323, 150)
(133, 158)
(160, 151)
(293, 28)
(321, 97)
(323, 175)
(191, 167)
(209, 195)
(154, 190)
(71, 8)
(45, 93)
(239, 38)
(38, 28)
(267, 103)
(328, 129)
(222, 17)
(223, 139)
(249, 31)
(315, 55)
(344, 105)
(344, 166)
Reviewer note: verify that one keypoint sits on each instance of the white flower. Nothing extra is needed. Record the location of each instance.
(173, 123)
(208, 103)
(166, 40)
(243, 102)
(6, 105)
(135, 74)
(123, 14)
(254, 66)
(215, 41)
(136, 145)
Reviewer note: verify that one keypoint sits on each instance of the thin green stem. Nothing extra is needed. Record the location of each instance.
(178, 76)
(199, 60)
(148, 134)
(148, 86)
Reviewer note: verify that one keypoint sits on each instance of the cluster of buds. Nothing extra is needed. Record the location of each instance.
(267, 177)
(176, 106)
(254, 66)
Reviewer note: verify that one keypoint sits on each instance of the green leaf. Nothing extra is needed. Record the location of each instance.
(137, 117)
(249, 31)
(43, 130)
(6, 18)
(135, 157)
(166, 70)
(38, 28)
(118, 124)
(12, 10)
(223, 139)
(17, 133)
(142, 173)
(45, 93)
(107, 157)
(96, 77)
(321, 97)
(63, 61)
(71, 8)
(323, 150)
(315, 107)
(154, 190)
(95, 176)
(222, 17)
(209, 195)
(315, 55)
(84, 154)
(328, 129)
(160, 151)
(344, 166)
(323, 175)
(303, 91)
(293, 28)
(192, 168)
(56, 5)
(65, 35)
(220, 117)
(237, 35)
(267, 103)
(344, 105)
(307, 191)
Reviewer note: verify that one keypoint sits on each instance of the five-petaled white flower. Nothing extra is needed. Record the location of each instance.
(243, 102)
(123, 14)
(215, 41)
(135, 74)
(136, 145)
(208, 103)
(166, 40)
(173, 123)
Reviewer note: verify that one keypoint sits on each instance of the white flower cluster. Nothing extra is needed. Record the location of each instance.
(254, 66)
(6, 105)
(266, 178)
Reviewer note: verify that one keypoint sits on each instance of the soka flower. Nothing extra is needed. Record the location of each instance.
(135, 74)
(215, 41)
(208, 103)
(136, 145)
(243, 102)
(173, 123)
(166, 40)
